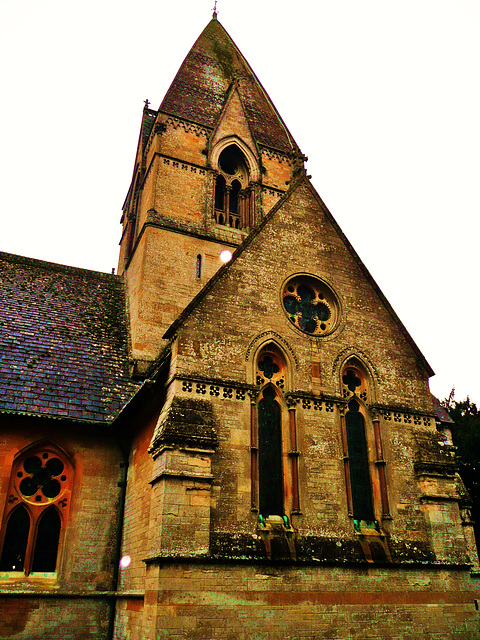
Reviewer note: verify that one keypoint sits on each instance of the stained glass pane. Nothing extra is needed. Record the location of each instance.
(291, 304)
(51, 489)
(15, 543)
(46, 544)
(359, 464)
(270, 455)
(323, 312)
(55, 466)
(32, 464)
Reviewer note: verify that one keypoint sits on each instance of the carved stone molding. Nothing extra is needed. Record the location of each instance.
(188, 127)
(276, 337)
(274, 154)
(360, 354)
(214, 389)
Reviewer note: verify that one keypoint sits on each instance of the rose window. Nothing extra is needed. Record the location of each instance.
(310, 305)
(41, 478)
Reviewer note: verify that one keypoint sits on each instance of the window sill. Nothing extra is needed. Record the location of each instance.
(35, 579)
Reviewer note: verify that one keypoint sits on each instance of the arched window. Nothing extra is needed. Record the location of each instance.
(15, 541)
(360, 481)
(274, 445)
(362, 449)
(220, 184)
(232, 202)
(270, 463)
(39, 500)
(46, 543)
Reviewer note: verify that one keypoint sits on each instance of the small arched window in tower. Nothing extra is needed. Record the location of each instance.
(220, 184)
(40, 485)
(231, 203)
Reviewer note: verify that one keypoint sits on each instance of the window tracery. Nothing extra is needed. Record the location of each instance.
(274, 443)
(270, 368)
(363, 453)
(37, 508)
(310, 305)
(232, 198)
(356, 449)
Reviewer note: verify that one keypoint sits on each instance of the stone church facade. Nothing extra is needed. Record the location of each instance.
(234, 437)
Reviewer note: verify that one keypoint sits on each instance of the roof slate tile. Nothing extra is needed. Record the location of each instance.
(63, 341)
(199, 90)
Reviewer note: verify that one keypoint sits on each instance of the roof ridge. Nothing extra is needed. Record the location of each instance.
(45, 264)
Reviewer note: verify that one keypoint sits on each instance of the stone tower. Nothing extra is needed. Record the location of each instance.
(210, 163)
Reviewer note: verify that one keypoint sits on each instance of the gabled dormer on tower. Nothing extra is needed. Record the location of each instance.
(210, 164)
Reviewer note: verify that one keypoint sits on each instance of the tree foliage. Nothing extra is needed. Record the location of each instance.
(466, 438)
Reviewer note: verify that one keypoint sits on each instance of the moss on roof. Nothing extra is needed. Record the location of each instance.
(199, 90)
(63, 341)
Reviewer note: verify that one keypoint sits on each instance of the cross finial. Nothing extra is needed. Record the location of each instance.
(215, 9)
(147, 103)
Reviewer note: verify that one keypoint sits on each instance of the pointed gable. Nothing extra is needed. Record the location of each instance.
(300, 236)
(233, 121)
(199, 90)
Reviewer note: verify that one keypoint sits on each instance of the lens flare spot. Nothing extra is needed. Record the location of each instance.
(125, 562)
(226, 256)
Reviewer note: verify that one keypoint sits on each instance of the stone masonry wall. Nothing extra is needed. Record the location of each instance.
(72, 602)
(239, 602)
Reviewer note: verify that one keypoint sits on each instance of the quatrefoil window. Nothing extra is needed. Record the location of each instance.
(354, 381)
(310, 305)
(351, 380)
(268, 367)
(41, 478)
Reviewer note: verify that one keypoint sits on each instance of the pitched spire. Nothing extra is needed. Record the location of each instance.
(201, 87)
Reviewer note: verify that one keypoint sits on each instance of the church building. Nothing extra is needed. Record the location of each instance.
(233, 438)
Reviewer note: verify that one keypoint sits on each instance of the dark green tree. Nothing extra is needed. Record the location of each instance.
(466, 438)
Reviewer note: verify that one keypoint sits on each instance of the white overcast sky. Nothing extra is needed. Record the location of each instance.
(382, 96)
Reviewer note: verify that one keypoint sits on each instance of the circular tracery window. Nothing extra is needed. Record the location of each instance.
(41, 477)
(310, 305)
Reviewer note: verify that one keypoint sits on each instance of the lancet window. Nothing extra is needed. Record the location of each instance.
(37, 507)
(363, 455)
(274, 450)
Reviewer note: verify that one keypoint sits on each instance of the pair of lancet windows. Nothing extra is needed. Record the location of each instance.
(274, 444)
(232, 200)
(37, 507)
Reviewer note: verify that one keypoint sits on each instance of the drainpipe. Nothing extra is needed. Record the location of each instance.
(118, 539)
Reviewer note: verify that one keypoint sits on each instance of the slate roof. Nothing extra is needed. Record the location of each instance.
(199, 91)
(63, 341)
(441, 413)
